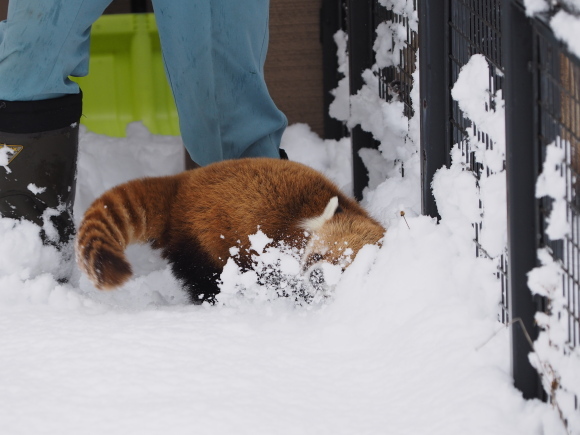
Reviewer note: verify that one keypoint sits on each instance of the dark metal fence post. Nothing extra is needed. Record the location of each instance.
(361, 34)
(522, 165)
(434, 91)
(331, 21)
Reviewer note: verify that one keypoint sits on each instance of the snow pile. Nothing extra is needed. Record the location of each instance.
(555, 356)
(399, 346)
(22, 251)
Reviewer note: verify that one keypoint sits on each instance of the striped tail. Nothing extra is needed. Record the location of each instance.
(134, 212)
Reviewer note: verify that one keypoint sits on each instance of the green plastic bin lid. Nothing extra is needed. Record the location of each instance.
(126, 80)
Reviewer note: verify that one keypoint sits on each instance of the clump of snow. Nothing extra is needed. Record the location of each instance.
(392, 36)
(5, 155)
(471, 91)
(551, 183)
(259, 241)
(566, 27)
(22, 252)
(456, 193)
(534, 7)
(276, 274)
(486, 109)
(340, 108)
(35, 189)
(48, 227)
(564, 21)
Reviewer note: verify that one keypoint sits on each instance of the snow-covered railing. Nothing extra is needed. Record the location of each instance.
(543, 134)
(556, 279)
(499, 101)
(479, 58)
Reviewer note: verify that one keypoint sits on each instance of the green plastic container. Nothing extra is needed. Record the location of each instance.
(126, 80)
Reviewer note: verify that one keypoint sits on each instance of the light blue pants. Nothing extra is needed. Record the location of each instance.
(214, 52)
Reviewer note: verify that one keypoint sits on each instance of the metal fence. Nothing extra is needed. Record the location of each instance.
(558, 103)
(475, 28)
(540, 82)
(557, 121)
(360, 18)
(542, 98)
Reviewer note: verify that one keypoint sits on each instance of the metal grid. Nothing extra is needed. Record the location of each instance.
(558, 111)
(398, 80)
(475, 28)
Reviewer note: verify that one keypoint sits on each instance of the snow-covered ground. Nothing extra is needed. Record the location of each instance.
(405, 346)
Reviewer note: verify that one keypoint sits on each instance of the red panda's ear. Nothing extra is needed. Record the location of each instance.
(315, 223)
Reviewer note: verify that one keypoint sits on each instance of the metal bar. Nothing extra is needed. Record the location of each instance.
(522, 167)
(434, 61)
(331, 21)
(361, 57)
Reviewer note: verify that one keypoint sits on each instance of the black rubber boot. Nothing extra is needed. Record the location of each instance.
(42, 138)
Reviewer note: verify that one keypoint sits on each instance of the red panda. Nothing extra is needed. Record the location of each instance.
(195, 217)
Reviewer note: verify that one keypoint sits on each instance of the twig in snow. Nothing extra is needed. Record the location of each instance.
(403, 216)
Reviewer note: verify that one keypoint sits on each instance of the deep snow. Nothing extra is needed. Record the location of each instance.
(401, 348)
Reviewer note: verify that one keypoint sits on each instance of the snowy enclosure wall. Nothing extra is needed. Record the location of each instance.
(475, 151)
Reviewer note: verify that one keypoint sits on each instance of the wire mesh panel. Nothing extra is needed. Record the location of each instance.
(475, 28)
(558, 78)
(542, 111)
(397, 81)
(364, 19)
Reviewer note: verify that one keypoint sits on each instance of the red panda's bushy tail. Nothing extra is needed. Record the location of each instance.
(134, 212)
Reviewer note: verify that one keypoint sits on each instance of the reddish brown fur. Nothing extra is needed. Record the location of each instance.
(134, 212)
(197, 216)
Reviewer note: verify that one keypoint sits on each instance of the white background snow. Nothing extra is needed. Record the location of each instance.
(409, 343)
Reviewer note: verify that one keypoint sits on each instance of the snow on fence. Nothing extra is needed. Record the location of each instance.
(556, 279)
(499, 99)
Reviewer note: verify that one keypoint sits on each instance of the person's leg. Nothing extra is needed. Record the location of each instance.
(42, 43)
(214, 53)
